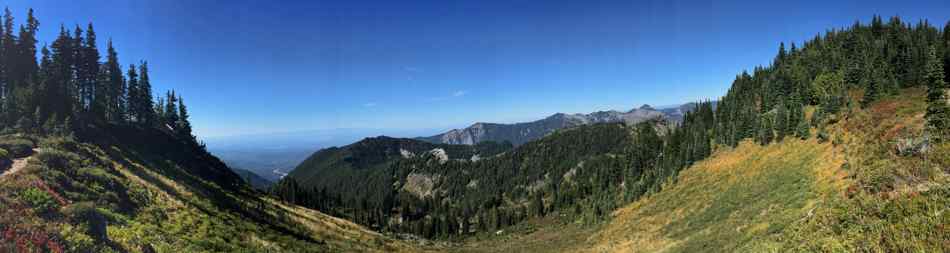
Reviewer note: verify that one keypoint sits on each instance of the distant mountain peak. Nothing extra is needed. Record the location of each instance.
(520, 133)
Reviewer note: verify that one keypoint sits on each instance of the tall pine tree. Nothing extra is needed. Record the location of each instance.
(938, 98)
(113, 87)
(132, 95)
(171, 109)
(145, 109)
(184, 125)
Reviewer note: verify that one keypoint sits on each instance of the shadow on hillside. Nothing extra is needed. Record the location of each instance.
(191, 167)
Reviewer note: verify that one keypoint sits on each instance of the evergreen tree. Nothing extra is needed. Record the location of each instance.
(114, 87)
(160, 111)
(87, 68)
(781, 122)
(287, 190)
(42, 88)
(781, 54)
(538, 205)
(171, 109)
(133, 102)
(938, 98)
(183, 126)
(145, 107)
(69, 84)
(946, 52)
(874, 92)
(24, 72)
(765, 131)
(60, 98)
(803, 130)
(78, 82)
(7, 66)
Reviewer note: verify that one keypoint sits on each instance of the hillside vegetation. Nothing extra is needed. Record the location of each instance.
(857, 195)
(116, 195)
(738, 200)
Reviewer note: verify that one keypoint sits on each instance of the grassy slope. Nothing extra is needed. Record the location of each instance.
(897, 203)
(554, 233)
(156, 200)
(856, 195)
(736, 201)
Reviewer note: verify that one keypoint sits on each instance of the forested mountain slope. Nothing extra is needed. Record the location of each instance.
(425, 194)
(253, 179)
(344, 165)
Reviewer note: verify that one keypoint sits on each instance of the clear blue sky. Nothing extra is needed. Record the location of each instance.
(261, 66)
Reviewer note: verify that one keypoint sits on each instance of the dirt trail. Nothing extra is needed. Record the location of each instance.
(19, 164)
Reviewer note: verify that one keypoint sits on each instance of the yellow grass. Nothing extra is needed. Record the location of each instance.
(676, 215)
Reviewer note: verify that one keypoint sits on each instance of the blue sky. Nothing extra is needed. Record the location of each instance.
(267, 66)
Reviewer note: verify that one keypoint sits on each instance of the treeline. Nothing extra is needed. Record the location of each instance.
(876, 60)
(587, 171)
(70, 87)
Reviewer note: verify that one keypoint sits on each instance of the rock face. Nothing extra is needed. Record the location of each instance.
(520, 133)
(440, 155)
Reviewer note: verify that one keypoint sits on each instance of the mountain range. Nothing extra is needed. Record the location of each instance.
(520, 133)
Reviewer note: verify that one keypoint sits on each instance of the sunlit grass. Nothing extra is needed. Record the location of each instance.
(738, 200)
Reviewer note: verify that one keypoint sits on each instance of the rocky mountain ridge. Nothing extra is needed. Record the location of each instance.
(520, 133)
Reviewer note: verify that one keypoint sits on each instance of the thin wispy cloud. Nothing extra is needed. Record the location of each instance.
(458, 93)
(370, 104)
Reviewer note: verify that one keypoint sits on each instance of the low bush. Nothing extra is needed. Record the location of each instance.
(39, 200)
(61, 143)
(97, 175)
(823, 135)
(911, 146)
(76, 240)
(32, 138)
(838, 140)
(941, 155)
(4, 155)
(86, 215)
(58, 159)
(17, 147)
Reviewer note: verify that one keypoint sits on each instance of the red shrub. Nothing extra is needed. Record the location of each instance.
(42, 185)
